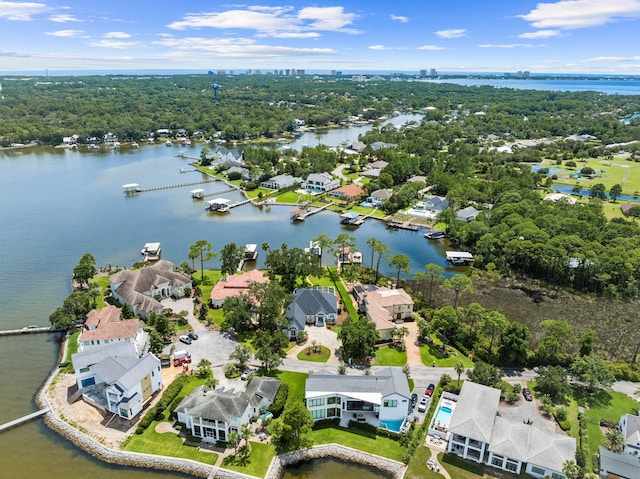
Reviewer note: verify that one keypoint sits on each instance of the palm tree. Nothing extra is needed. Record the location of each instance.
(401, 263)
(614, 440)
(571, 470)
(459, 367)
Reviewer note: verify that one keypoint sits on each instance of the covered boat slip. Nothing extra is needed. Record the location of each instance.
(219, 204)
(151, 251)
(459, 257)
(198, 193)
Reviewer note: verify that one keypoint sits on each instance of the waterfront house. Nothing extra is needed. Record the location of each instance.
(139, 288)
(244, 172)
(381, 399)
(386, 308)
(614, 465)
(235, 285)
(113, 378)
(347, 192)
(467, 214)
(229, 157)
(317, 183)
(281, 181)
(478, 432)
(211, 414)
(378, 197)
(381, 144)
(314, 306)
(105, 326)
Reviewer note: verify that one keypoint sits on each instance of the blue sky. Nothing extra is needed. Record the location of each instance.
(561, 36)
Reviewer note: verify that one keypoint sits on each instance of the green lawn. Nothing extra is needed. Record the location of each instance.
(431, 354)
(296, 382)
(324, 280)
(389, 356)
(377, 213)
(289, 197)
(103, 284)
(255, 194)
(257, 462)
(72, 348)
(305, 355)
(167, 444)
(608, 405)
(360, 440)
(417, 467)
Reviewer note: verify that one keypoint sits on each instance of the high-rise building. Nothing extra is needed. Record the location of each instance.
(423, 73)
(433, 72)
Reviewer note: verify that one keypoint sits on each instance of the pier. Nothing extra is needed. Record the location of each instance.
(301, 215)
(406, 225)
(200, 193)
(20, 420)
(30, 330)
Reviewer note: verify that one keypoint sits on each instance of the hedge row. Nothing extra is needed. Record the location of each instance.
(157, 411)
(280, 400)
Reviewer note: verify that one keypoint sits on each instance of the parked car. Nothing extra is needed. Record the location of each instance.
(414, 400)
(422, 407)
(185, 339)
(246, 373)
(527, 394)
(430, 389)
(193, 336)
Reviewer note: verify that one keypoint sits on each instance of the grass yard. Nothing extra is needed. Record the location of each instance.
(167, 444)
(390, 356)
(360, 440)
(296, 382)
(431, 354)
(377, 213)
(324, 280)
(603, 404)
(256, 464)
(72, 348)
(288, 197)
(617, 171)
(417, 467)
(103, 284)
(321, 357)
(255, 194)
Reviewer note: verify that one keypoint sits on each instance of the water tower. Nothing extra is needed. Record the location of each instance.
(215, 87)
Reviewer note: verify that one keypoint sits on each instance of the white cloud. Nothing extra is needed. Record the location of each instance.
(67, 34)
(432, 48)
(63, 18)
(289, 35)
(236, 48)
(119, 45)
(116, 35)
(452, 33)
(571, 14)
(379, 47)
(400, 18)
(21, 11)
(541, 34)
(612, 59)
(507, 45)
(272, 21)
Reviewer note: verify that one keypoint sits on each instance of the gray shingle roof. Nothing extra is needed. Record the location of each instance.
(384, 382)
(475, 412)
(119, 351)
(310, 302)
(214, 404)
(263, 387)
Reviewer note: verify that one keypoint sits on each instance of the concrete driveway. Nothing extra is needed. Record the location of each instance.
(322, 337)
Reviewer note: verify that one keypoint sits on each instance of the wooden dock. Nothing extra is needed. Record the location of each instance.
(178, 185)
(29, 330)
(300, 215)
(406, 225)
(215, 193)
(23, 419)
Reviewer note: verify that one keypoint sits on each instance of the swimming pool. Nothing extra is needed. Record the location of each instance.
(443, 416)
(394, 426)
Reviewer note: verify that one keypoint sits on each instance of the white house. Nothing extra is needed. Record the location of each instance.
(211, 414)
(105, 326)
(227, 157)
(138, 288)
(320, 183)
(382, 399)
(630, 428)
(479, 433)
(114, 379)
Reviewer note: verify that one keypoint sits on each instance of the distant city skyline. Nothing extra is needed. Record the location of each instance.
(492, 36)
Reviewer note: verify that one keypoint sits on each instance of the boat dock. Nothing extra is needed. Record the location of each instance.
(222, 205)
(301, 215)
(30, 330)
(20, 420)
(199, 193)
(406, 225)
(134, 188)
(151, 251)
(459, 258)
(354, 219)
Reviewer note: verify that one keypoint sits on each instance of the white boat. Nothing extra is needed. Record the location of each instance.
(150, 141)
(168, 143)
(93, 146)
(116, 145)
(134, 145)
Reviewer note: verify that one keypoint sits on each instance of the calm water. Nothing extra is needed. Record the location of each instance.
(58, 205)
(618, 87)
(324, 468)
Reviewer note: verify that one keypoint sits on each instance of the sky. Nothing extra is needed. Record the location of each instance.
(558, 36)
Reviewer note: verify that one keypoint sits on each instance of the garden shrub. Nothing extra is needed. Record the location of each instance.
(280, 400)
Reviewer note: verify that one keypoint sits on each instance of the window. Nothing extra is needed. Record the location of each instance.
(319, 414)
(333, 412)
(390, 403)
(538, 470)
(555, 475)
(315, 402)
(84, 370)
(511, 466)
(124, 413)
(496, 461)
(197, 431)
(333, 400)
